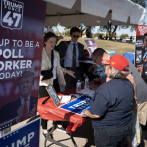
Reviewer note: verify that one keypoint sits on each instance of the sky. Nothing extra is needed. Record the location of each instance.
(118, 32)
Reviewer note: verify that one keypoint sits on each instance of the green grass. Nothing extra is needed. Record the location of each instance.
(118, 47)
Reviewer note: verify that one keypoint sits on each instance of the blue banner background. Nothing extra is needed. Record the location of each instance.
(26, 136)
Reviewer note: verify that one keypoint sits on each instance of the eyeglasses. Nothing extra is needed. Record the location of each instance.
(76, 36)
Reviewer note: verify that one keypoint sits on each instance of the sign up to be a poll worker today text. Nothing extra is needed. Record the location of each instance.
(21, 43)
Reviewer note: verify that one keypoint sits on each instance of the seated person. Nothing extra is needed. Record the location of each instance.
(99, 71)
(88, 68)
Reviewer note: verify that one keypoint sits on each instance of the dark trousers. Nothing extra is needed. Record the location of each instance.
(70, 81)
(43, 93)
(112, 137)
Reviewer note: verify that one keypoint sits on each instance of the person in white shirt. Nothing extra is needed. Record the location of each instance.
(51, 71)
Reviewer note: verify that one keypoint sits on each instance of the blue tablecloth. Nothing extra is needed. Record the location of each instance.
(130, 56)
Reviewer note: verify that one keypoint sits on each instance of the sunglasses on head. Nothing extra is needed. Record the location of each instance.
(76, 36)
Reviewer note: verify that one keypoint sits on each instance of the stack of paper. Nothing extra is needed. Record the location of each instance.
(88, 92)
(64, 98)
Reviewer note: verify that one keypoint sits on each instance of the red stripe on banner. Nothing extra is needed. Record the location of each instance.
(138, 68)
(141, 30)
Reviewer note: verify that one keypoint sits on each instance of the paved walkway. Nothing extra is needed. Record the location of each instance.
(83, 136)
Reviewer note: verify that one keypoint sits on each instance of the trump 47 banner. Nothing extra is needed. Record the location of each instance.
(21, 42)
(141, 50)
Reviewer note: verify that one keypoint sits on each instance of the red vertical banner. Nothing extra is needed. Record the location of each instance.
(21, 41)
(141, 50)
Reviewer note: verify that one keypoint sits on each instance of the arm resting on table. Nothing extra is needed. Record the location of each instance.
(86, 112)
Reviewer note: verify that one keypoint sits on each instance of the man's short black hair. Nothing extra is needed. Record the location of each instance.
(74, 29)
(99, 52)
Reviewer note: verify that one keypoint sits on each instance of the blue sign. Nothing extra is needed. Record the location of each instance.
(78, 105)
(26, 136)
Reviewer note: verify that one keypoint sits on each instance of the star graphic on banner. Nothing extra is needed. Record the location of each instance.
(10, 134)
(14, 133)
(7, 136)
(4, 138)
(17, 132)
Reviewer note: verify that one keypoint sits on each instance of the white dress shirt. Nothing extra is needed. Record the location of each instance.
(69, 55)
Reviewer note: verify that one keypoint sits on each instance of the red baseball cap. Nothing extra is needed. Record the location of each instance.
(119, 62)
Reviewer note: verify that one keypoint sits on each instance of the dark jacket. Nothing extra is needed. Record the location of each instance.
(62, 48)
(9, 111)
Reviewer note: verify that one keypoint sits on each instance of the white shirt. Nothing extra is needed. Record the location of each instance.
(55, 69)
(28, 102)
(69, 55)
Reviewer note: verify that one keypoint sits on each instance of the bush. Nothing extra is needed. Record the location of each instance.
(124, 36)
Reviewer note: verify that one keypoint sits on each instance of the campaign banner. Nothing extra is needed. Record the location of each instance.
(21, 43)
(77, 105)
(91, 45)
(26, 136)
(141, 50)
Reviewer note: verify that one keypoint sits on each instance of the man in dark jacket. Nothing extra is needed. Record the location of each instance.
(70, 53)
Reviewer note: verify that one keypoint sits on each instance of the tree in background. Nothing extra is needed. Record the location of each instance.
(66, 32)
(111, 29)
(88, 32)
(96, 34)
(81, 27)
(124, 36)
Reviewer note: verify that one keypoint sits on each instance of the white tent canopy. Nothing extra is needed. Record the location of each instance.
(93, 12)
